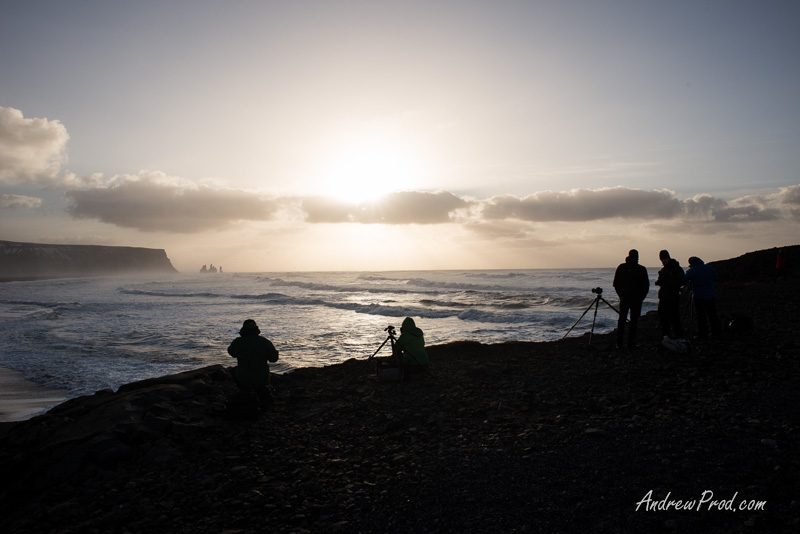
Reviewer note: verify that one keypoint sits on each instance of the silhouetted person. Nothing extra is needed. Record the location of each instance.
(631, 283)
(670, 281)
(410, 347)
(253, 352)
(702, 278)
(781, 266)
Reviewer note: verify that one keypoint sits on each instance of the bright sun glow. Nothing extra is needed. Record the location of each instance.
(368, 169)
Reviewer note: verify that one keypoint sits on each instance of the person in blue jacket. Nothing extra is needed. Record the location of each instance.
(702, 279)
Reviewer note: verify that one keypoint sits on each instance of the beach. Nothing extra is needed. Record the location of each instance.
(560, 436)
(21, 399)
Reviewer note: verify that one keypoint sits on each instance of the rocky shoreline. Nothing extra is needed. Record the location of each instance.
(561, 436)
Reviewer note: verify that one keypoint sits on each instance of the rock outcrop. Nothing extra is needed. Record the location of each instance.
(33, 260)
(757, 265)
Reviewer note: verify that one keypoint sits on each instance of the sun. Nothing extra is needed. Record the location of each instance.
(368, 169)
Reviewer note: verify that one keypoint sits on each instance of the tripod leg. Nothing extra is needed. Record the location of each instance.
(690, 314)
(591, 333)
(609, 305)
(579, 318)
(368, 359)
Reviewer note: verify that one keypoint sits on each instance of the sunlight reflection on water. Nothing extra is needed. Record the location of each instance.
(87, 334)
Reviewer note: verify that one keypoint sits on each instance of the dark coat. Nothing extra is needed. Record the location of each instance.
(253, 354)
(702, 278)
(670, 280)
(412, 343)
(631, 281)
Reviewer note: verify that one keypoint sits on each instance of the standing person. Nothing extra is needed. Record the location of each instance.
(781, 266)
(670, 281)
(411, 346)
(631, 283)
(702, 278)
(253, 352)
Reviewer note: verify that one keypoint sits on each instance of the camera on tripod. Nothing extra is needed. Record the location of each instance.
(390, 369)
(595, 304)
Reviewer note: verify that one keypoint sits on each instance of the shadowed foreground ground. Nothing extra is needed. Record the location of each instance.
(514, 437)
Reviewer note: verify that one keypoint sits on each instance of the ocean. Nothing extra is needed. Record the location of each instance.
(88, 334)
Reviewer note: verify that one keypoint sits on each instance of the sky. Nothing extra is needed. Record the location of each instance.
(375, 135)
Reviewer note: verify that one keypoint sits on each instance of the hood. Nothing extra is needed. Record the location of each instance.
(694, 260)
(249, 328)
(410, 327)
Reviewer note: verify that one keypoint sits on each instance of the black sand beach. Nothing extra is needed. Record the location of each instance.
(515, 437)
(20, 399)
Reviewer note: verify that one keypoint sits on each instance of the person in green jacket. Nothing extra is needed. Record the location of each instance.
(410, 346)
(253, 352)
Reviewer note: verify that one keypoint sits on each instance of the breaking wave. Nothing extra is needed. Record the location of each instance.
(90, 334)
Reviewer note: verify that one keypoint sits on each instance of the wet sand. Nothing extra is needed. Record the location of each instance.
(22, 399)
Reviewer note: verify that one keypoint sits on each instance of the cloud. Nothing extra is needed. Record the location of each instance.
(19, 201)
(703, 205)
(153, 202)
(582, 205)
(585, 205)
(500, 230)
(789, 198)
(32, 151)
(745, 209)
(749, 213)
(406, 207)
(757, 208)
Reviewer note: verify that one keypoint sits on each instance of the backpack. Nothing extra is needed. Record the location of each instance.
(389, 372)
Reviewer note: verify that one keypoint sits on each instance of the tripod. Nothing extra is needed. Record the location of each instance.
(690, 313)
(596, 304)
(389, 339)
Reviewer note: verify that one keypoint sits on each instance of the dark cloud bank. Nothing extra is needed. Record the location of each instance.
(405, 207)
(151, 206)
(148, 204)
(33, 151)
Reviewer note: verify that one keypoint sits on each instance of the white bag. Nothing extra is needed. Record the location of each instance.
(679, 346)
(390, 374)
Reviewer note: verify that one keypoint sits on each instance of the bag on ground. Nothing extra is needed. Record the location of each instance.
(678, 346)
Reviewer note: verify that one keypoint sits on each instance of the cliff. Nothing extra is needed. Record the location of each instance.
(756, 265)
(34, 260)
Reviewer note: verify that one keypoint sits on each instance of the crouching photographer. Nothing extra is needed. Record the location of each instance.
(409, 349)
